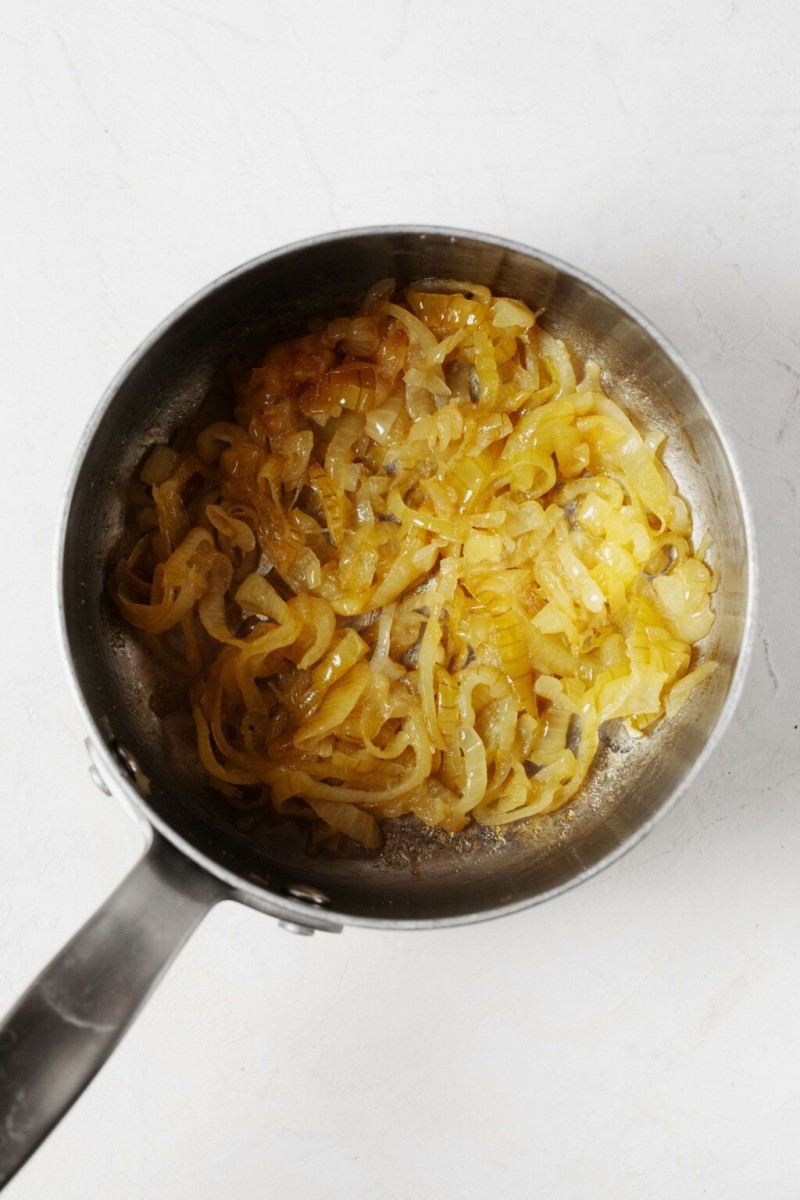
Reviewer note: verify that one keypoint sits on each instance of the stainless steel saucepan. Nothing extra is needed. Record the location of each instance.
(71, 1017)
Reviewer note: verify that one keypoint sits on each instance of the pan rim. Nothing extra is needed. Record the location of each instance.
(277, 903)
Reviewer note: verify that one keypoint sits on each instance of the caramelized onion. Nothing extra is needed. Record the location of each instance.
(424, 562)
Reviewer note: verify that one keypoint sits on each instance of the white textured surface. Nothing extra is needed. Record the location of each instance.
(640, 1036)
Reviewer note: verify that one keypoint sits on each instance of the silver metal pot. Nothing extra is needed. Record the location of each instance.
(67, 1023)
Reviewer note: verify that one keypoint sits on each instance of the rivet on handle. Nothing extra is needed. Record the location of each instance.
(312, 895)
(295, 927)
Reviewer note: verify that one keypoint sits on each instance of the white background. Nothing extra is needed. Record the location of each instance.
(639, 1037)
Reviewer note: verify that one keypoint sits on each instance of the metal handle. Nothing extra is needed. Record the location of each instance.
(54, 1041)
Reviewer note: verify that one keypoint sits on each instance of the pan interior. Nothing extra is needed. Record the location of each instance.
(422, 874)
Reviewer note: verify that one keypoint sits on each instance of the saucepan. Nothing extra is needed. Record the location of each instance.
(70, 1019)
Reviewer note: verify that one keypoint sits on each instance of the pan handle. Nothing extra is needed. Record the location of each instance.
(56, 1038)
